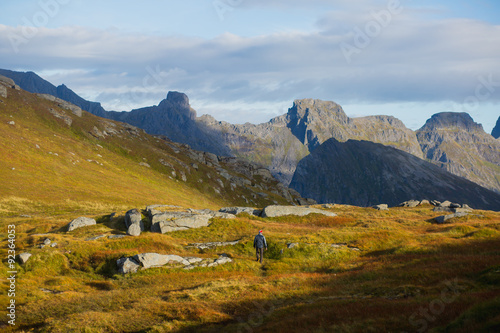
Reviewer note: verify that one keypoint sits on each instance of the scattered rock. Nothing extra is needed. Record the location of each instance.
(276, 210)
(24, 257)
(173, 221)
(47, 241)
(292, 245)
(12, 122)
(445, 204)
(80, 222)
(381, 207)
(425, 202)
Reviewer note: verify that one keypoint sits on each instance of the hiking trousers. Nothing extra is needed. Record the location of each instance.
(260, 253)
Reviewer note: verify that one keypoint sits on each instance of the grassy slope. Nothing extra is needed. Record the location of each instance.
(398, 281)
(405, 265)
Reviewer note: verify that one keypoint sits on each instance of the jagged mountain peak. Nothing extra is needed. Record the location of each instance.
(316, 109)
(449, 120)
(178, 98)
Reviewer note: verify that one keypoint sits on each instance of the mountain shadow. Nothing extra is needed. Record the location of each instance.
(365, 173)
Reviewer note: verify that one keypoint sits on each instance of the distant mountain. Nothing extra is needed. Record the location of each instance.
(33, 83)
(457, 144)
(452, 141)
(283, 141)
(496, 130)
(365, 173)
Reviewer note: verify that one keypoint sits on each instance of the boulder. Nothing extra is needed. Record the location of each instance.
(445, 204)
(173, 221)
(442, 209)
(127, 265)
(381, 207)
(410, 203)
(276, 210)
(7, 81)
(133, 222)
(240, 210)
(132, 216)
(135, 229)
(148, 260)
(444, 218)
(23, 257)
(80, 222)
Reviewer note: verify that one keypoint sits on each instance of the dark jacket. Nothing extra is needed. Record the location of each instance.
(259, 242)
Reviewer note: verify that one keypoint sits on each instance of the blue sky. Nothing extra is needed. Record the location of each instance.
(247, 60)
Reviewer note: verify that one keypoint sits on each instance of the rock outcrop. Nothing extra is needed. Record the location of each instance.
(363, 173)
(149, 260)
(80, 223)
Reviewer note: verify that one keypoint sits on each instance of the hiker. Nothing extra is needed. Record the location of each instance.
(259, 243)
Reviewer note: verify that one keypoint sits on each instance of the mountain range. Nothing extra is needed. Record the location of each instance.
(451, 141)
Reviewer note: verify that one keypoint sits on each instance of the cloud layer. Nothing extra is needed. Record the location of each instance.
(388, 54)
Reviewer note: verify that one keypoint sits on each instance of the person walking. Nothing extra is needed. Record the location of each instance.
(259, 243)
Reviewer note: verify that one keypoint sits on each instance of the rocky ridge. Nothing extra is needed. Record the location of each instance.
(283, 141)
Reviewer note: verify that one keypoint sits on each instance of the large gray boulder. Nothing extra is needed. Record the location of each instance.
(173, 221)
(276, 210)
(148, 260)
(132, 216)
(80, 223)
(127, 265)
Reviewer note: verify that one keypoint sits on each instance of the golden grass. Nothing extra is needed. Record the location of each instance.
(404, 264)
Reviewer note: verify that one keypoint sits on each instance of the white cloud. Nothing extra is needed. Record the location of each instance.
(407, 60)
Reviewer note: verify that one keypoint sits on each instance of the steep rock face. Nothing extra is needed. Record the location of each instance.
(365, 173)
(457, 144)
(496, 130)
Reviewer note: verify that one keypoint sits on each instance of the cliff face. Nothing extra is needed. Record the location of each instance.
(454, 142)
(365, 173)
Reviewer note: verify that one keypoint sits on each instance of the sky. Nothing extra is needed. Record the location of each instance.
(248, 60)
